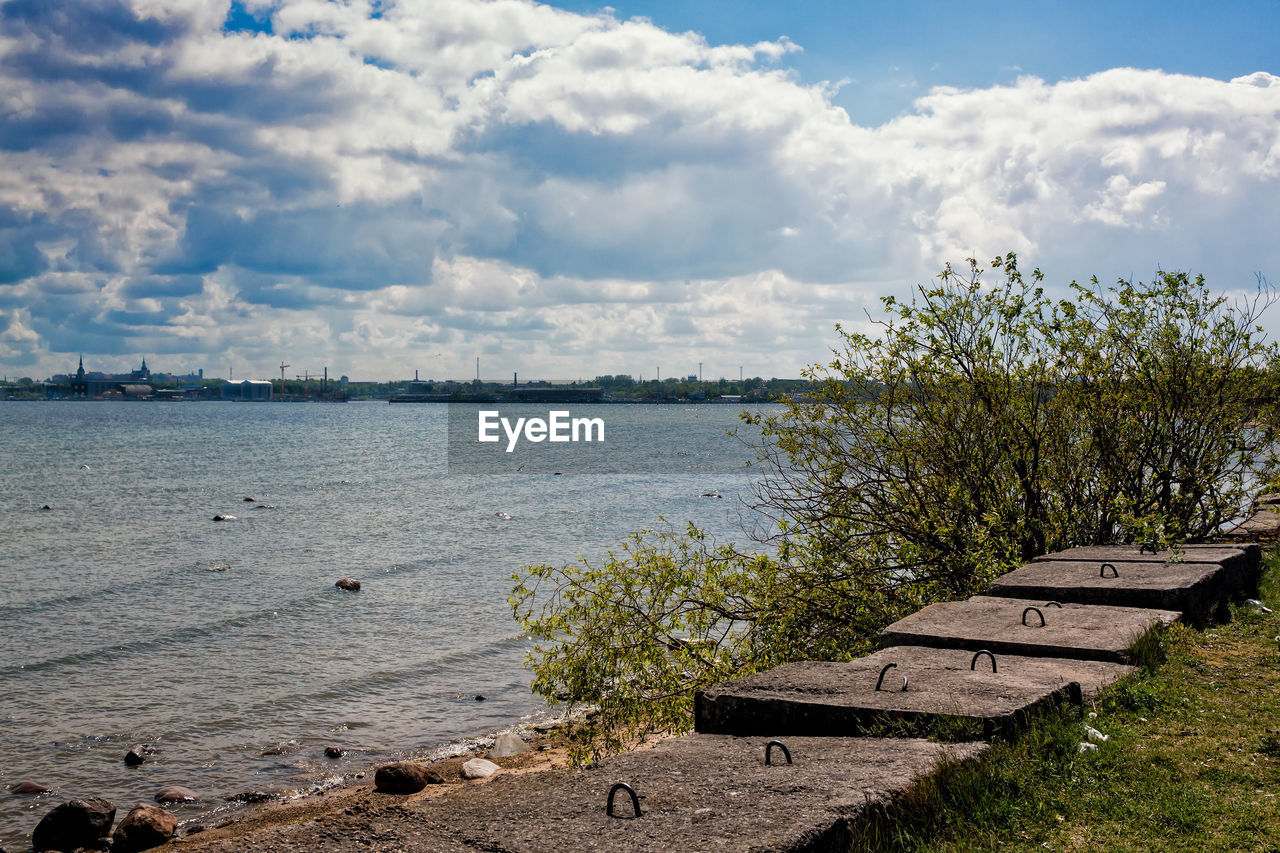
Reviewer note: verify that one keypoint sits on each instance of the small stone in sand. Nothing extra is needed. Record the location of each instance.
(479, 768)
(405, 777)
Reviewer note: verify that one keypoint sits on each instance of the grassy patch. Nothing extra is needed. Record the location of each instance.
(1193, 760)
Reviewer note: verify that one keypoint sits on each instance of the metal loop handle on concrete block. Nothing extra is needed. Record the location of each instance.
(904, 684)
(768, 751)
(622, 786)
(1102, 572)
(973, 664)
(1145, 545)
(1053, 604)
(1037, 611)
(880, 680)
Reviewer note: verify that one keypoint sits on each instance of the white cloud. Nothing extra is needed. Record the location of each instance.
(573, 191)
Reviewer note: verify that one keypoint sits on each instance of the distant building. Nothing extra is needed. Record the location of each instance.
(556, 395)
(132, 386)
(258, 390)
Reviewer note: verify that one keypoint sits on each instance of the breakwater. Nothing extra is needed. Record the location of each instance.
(791, 759)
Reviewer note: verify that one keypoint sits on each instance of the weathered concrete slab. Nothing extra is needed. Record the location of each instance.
(1135, 554)
(699, 792)
(1242, 563)
(1082, 631)
(943, 686)
(1263, 525)
(696, 793)
(1198, 589)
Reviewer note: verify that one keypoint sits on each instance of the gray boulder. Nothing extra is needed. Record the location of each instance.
(508, 744)
(144, 827)
(77, 823)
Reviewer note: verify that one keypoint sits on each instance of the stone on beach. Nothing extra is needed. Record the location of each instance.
(177, 794)
(479, 768)
(349, 584)
(77, 823)
(29, 787)
(405, 777)
(508, 744)
(144, 827)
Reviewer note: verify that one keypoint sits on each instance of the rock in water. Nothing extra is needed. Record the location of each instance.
(349, 584)
(479, 768)
(508, 744)
(287, 748)
(176, 794)
(29, 787)
(404, 777)
(144, 827)
(139, 754)
(77, 823)
(334, 752)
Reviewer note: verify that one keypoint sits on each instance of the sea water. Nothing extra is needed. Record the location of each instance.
(129, 616)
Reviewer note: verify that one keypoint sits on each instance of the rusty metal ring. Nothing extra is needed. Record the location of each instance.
(880, 680)
(973, 664)
(622, 786)
(768, 752)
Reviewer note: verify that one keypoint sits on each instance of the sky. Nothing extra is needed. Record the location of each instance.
(575, 190)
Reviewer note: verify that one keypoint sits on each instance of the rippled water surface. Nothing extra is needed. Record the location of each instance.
(128, 616)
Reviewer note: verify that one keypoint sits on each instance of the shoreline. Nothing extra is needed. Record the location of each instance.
(248, 803)
(357, 797)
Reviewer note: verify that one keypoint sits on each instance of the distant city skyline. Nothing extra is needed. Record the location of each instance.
(585, 189)
(201, 373)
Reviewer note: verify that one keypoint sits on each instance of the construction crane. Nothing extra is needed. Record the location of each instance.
(282, 367)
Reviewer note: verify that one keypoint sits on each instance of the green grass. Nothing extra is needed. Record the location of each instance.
(1193, 762)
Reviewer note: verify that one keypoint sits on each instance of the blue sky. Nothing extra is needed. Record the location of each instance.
(893, 52)
(575, 190)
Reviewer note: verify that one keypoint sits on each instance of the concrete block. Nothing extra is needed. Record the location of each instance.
(943, 686)
(699, 792)
(1081, 631)
(1196, 589)
(1242, 562)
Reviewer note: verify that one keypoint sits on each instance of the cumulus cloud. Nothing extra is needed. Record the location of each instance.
(371, 186)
